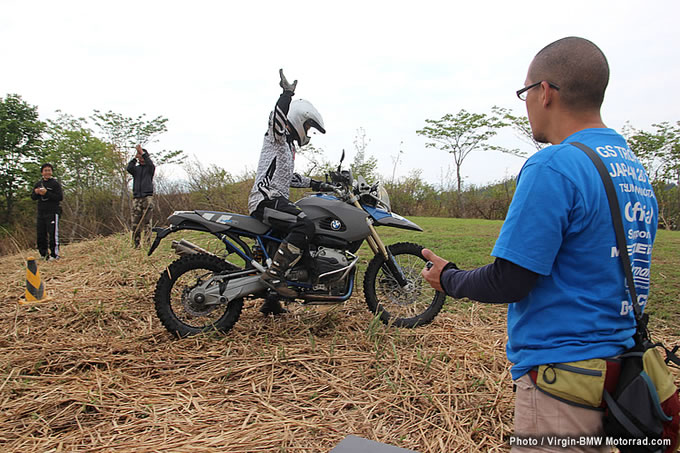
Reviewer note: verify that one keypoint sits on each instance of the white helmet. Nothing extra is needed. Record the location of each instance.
(302, 115)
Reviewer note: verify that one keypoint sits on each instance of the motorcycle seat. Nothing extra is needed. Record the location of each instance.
(229, 220)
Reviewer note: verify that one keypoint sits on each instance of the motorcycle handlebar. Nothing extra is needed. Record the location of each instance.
(325, 187)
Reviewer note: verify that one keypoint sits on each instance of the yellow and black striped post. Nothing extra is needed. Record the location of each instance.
(35, 288)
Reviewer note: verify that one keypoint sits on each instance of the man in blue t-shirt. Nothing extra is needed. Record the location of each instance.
(557, 263)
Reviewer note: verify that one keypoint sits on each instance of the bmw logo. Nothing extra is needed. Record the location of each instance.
(336, 225)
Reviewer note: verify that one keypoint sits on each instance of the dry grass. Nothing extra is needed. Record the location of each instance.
(95, 371)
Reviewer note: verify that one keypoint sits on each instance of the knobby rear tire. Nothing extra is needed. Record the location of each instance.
(163, 296)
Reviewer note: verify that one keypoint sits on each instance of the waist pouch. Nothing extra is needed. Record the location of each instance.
(580, 383)
(636, 391)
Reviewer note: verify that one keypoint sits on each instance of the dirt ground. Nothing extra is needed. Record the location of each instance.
(94, 370)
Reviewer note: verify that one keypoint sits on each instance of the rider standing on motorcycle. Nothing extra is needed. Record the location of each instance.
(268, 200)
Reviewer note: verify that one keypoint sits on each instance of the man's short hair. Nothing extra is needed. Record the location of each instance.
(43, 166)
(578, 67)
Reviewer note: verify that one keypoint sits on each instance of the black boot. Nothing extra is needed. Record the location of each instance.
(272, 305)
(285, 257)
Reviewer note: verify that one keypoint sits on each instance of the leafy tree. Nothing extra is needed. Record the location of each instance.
(208, 179)
(213, 187)
(123, 133)
(84, 163)
(20, 140)
(521, 126)
(318, 164)
(659, 152)
(395, 161)
(126, 132)
(361, 165)
(462, 134)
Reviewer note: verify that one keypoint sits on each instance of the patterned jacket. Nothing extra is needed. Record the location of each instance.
(275, 170)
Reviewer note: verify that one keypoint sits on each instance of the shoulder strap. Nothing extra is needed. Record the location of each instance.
(620, 237)
(671, 357)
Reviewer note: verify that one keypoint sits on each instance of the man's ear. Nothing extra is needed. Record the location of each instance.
(547, 94)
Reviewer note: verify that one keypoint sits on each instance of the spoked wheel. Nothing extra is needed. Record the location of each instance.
(414, 305)
(182, 308)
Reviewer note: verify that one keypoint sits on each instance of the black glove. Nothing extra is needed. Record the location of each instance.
(287, 86)
(319, 186)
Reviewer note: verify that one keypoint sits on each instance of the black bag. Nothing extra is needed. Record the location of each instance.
(645, 407)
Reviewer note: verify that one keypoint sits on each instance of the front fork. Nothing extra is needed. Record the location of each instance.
(376, 244)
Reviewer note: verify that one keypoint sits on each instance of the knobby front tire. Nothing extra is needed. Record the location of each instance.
(415, 305)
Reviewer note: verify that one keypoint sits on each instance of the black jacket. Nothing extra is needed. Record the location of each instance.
(142, 176)
(48, 203)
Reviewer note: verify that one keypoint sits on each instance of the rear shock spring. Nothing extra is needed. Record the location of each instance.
(258, 253)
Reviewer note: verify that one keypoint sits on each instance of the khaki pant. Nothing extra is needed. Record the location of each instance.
(542, 417)
(142, 208)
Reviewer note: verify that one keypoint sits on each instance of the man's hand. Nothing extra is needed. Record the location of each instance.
(285, 84)
(139, 149)
(40, 190)
(433, 273)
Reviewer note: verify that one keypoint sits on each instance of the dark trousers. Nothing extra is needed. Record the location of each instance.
(47, 229)
(300, 231)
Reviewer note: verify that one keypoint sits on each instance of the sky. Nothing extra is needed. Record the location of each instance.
(211, 68)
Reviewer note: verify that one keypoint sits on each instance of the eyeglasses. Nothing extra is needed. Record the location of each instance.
(522, 94)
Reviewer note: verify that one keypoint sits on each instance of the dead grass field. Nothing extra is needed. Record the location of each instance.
(95, 371)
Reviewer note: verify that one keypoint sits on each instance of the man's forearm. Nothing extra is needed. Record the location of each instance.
(499, 282)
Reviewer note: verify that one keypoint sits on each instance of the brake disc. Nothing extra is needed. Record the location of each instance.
(195, 306)
(398, 295)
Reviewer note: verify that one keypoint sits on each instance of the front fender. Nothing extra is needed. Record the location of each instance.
(382, 217)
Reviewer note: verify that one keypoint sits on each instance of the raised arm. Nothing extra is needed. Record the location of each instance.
(147, 160)
(131, 166)
(283, 105)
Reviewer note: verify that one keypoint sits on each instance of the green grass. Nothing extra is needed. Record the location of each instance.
(664, 298)
(468, 243)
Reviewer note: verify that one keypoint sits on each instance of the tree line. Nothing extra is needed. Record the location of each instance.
(90, 155)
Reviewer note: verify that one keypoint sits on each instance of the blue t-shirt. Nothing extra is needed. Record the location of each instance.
(559, 226)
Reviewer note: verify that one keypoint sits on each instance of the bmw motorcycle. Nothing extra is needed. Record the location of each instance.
(201, 291)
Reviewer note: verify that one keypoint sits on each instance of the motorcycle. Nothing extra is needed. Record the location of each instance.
(201, 291)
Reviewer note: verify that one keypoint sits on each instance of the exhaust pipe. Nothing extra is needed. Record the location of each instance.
(184, 247)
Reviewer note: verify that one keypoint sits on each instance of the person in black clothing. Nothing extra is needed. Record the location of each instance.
(142, 169)
(48, 193)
